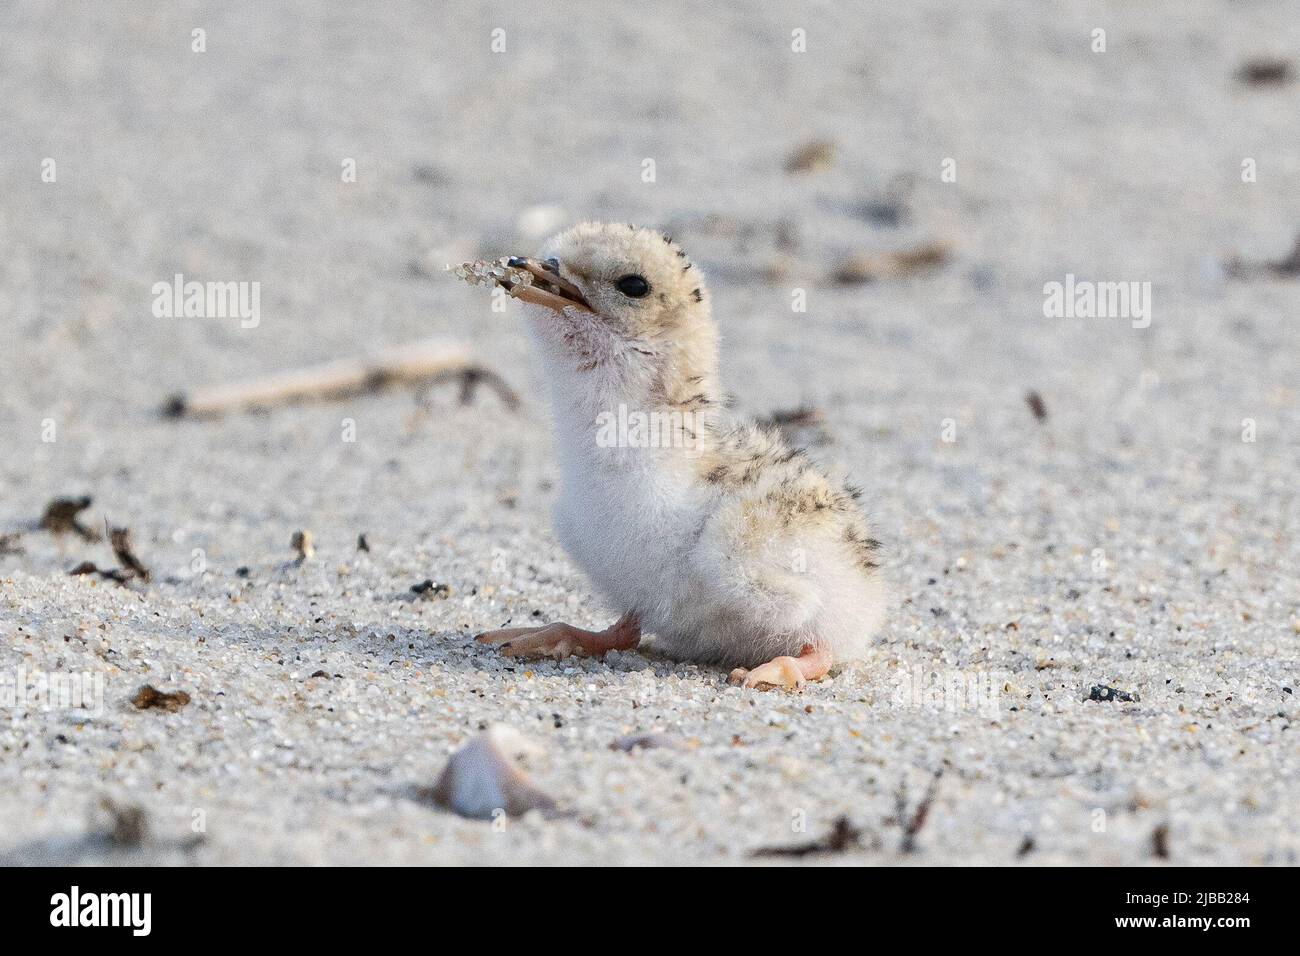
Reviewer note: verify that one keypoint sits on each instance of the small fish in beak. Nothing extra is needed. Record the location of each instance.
(531, 280)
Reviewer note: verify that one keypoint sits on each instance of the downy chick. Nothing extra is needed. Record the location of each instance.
(707, 532)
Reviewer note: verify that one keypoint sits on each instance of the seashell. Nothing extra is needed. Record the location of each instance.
(483, 777)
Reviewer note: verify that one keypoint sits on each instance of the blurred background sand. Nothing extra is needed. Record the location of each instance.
(225, 165)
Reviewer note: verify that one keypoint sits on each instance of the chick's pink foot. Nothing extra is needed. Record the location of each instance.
(564, 640)
(788, 673)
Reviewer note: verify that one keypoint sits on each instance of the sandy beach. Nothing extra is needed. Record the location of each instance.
(1090, 519)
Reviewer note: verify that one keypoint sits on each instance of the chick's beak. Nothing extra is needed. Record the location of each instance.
(546, 286)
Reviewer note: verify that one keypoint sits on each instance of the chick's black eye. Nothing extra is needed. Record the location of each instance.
(634, 287)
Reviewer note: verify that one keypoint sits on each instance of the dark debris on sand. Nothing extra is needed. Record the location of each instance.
(1266, 71)
(842, 837)
(149, 697)
(116, 575)
(60, 517)
(1036, 405)
(1105, 693)
(120, 539)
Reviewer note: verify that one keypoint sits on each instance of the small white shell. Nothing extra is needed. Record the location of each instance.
(482, 777)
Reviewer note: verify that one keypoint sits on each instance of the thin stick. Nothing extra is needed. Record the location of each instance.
(401, 365)
(911, 827)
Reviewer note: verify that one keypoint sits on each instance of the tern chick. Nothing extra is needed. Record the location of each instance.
(705, 531)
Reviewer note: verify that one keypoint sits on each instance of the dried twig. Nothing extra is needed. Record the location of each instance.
(891, 265)
(402, 365)
(1265, 71)
(1290, 266)
(1036, 405)
(476, 375)
(120, 539)
(800, 426)
(304, 546)
(798, 417)
(60, 517)
(131, 569)
(841, 837)
(912, 827)
(108, 574)
(1160, 842)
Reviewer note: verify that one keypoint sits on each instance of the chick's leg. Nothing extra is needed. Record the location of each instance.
(563, 640)
(789, 673)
